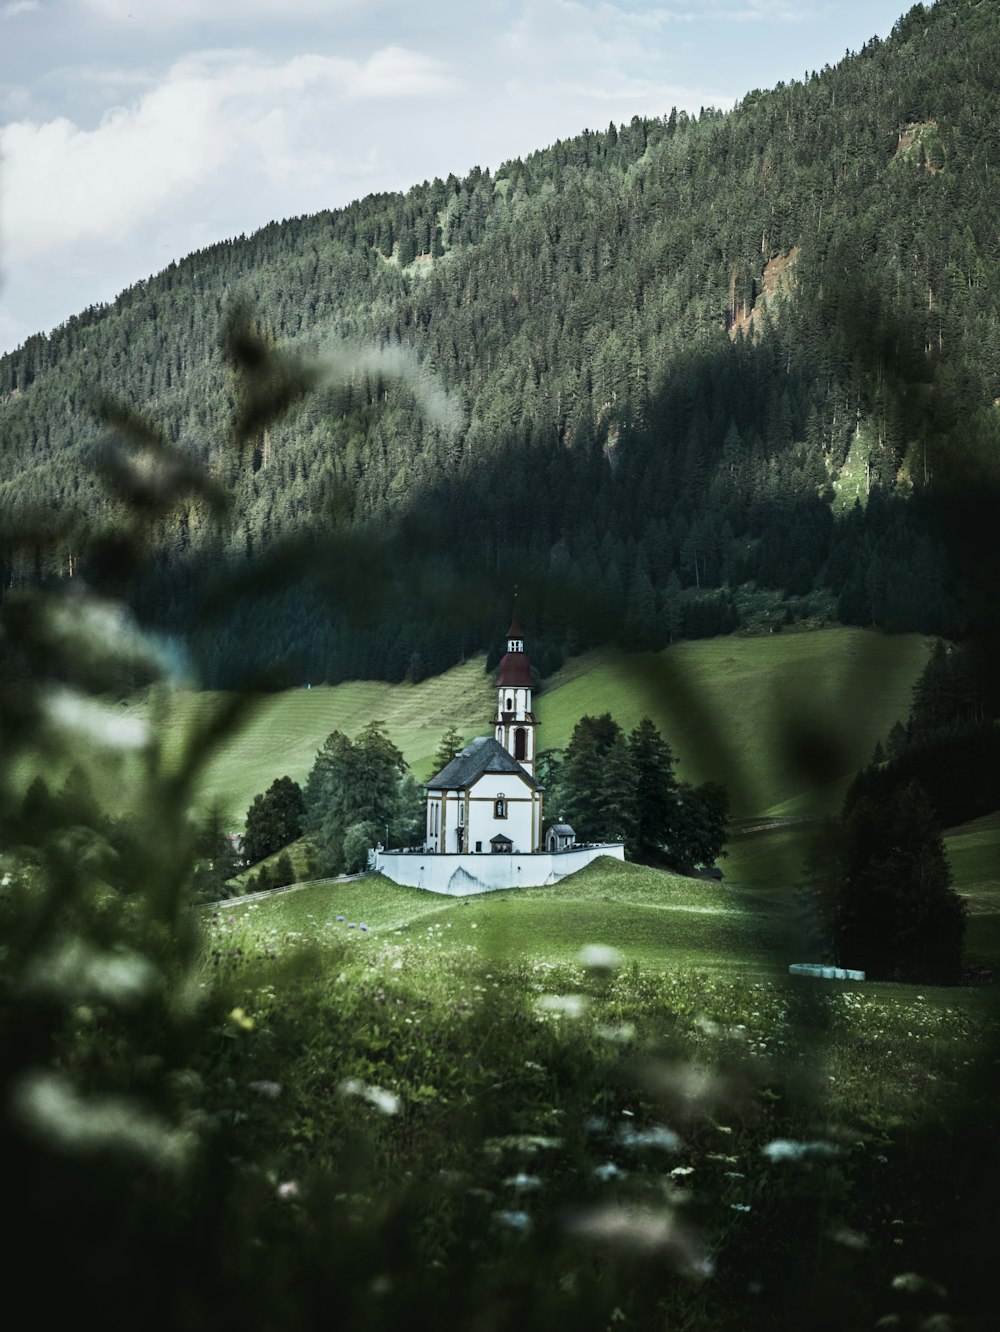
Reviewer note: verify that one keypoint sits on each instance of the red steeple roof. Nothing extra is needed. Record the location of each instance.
(515, 671)
(515, 668)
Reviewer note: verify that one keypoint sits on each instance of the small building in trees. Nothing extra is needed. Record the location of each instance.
(560, 837)
(484, 826)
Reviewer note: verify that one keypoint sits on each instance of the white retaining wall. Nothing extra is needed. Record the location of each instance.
(462, 875)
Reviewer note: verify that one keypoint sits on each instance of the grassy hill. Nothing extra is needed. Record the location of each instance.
(726, 706)
(652, 917)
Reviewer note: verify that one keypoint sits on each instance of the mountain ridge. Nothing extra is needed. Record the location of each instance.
(573, 307)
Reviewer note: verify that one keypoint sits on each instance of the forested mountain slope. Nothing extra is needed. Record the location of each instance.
(659, 363)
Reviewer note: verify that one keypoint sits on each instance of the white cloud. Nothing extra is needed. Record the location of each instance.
(770, 11)
(19, 7)
(214, 111)
(178, 13)
(565, 50)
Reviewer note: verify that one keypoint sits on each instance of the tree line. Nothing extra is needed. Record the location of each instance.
(360, 793)
(561, 379)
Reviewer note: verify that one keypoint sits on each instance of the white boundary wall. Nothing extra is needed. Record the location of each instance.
(463, 875)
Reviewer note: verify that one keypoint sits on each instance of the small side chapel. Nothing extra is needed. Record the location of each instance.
(486, 800)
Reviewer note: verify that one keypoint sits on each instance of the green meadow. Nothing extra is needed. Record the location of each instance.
(672, 1133)
(652, 917)
(732, 708)
(606, 1102)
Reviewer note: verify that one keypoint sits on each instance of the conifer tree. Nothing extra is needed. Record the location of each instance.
(656, 796)
(449, 746)
(598, 781)
(274, 819)
(284, 871)
(881, 886)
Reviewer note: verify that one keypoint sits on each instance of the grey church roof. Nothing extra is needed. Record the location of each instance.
(482, 755)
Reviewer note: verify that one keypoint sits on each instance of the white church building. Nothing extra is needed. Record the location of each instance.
(485, 826)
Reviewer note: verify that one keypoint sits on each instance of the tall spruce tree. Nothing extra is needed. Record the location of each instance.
(598, 781)
(656, 804)
(449, 745)
(881, 886)
(274, 819)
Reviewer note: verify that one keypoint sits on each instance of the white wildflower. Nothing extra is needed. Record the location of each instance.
(524, 1182)
(850, 1239)
(386, 1101)
(657, 1136)
(263, 1087)
(561, 1005)
(600, 957)
(51, 1106)
(786, 1149)
(73, 967)
(608, 1170)
(644, 1230)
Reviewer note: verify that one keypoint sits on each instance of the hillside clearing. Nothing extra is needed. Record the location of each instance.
(729, 707)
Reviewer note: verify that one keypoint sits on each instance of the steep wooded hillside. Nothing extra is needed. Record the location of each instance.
(660, 363)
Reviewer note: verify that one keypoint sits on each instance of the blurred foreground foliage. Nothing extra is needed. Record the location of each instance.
(218, 1134)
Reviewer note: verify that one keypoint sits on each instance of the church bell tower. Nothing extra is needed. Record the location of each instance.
(515, 722)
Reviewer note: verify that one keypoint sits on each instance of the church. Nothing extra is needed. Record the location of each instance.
(487, 799)
(485, 828)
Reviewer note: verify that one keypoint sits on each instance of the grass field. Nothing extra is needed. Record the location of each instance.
(810, 1145)
(733, 707)
(728, 706)
(652, 917)
(283, 731)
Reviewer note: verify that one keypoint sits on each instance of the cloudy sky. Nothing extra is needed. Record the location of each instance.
(135, 131)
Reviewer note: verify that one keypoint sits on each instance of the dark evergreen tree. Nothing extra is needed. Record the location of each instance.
(656, 803)
(360, 783)
(217, 863)
(594, 800)
(449, 746)
(274, 819)
(548, 773)
(702, 823)
(881, 885)
(284, 871)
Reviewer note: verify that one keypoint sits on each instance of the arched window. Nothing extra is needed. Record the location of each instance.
(520, 743)
(510, 703)
(500, 807)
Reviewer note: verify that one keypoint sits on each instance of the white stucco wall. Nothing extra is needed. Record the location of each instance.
(461, 876)
(519, 699)
(474, 811)
(522, 823)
